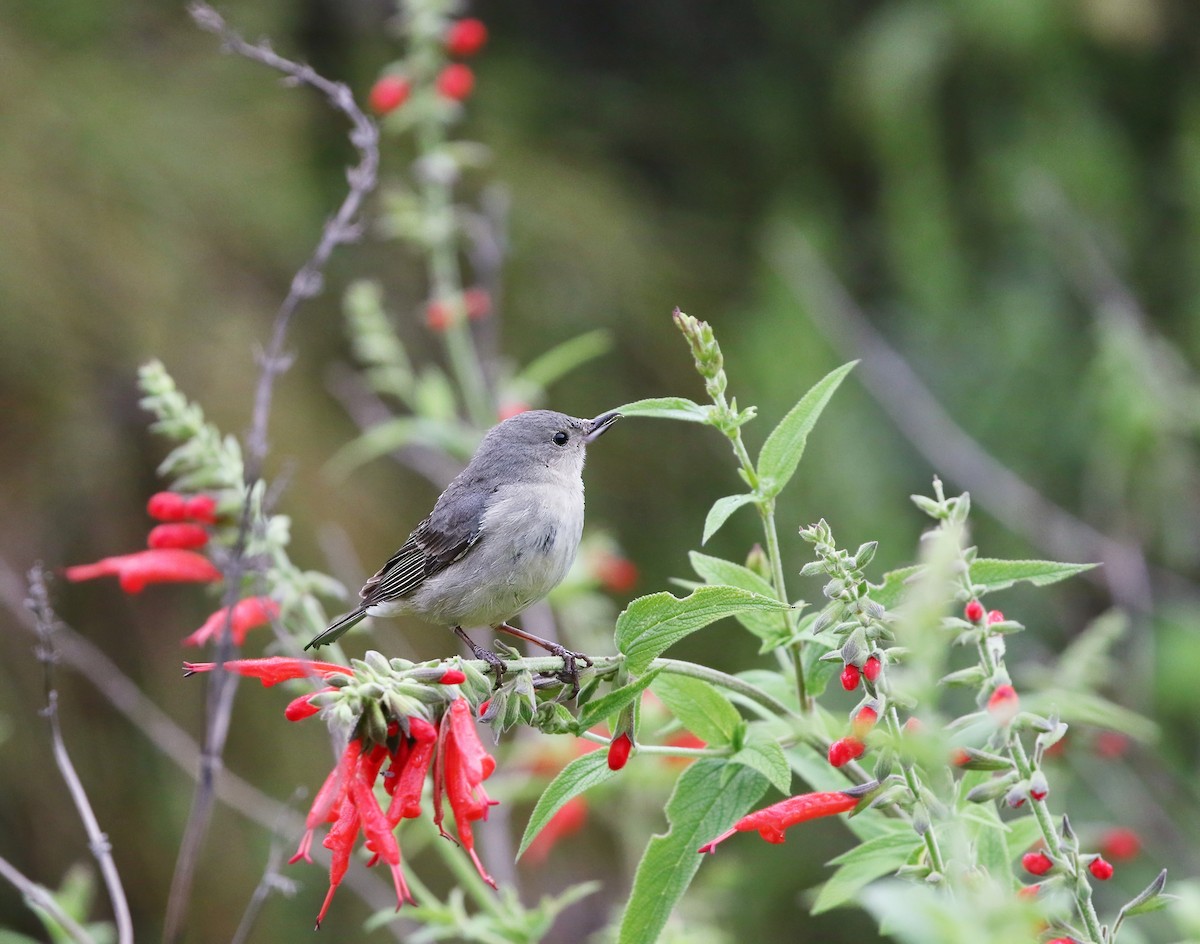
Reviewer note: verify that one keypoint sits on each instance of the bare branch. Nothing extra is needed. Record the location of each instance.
(41, 896)
(342, 227)
(39, 604)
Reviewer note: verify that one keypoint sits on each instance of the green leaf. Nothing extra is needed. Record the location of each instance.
(719, 513)
(701, 807)
(651, 624)
(581, 774)
(895, 582)
(863, 864)
(781, 452)
(614, 701)
(999, 574)
(563, 358)
(991, 841)
(700, 707)
(768, 627)
(767, 757)
(667, 408)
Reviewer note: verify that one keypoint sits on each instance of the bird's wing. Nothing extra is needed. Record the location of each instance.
(453, 526)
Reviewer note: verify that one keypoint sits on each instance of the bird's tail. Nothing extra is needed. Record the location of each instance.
(334, 632)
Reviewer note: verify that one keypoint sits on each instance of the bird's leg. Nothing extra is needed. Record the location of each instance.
(570, 670)
(495, 663)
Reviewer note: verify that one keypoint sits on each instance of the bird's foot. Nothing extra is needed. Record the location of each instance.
(569, 675)
(495, 663)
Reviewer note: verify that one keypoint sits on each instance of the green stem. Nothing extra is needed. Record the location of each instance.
(730, 682)
(914, 788)
(766, 511)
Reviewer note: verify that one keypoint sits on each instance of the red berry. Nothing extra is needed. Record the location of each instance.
(466, 37)
(1120, 842)
(388, 94)
(456, 81)
(973, 611)
(844, 750)
(871, 668)
(1036, 863)
(1004, 704)
(995, 616)
(1101, 868)
(618, 751)
(850, 676)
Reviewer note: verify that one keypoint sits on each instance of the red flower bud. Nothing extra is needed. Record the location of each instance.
(185, 536)
(388, 94)
(995, 616)
(618, 751)
(302, 707)
(771, 821)
(437, 316)
(1036, 863)
(202, 508)
(478, 303)
(865, 720)
(484, 706)
(959, 757)
(844, 750)
(616, 573)
(167, 506)
(453, 677)
(973, 611)
(871, 668)
(1111, 744)
(1120, 843)
(456, 81)
(1039, 788)
(1101, 868)
(466, 37)
(1029, 891)
(850, 676)
(1003, 704)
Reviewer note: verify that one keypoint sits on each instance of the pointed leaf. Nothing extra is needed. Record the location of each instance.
(667, 408)
(701, 807)
(767, 757)
(563, 358)
(782, 451)
(700, 708)
(651, 624)
(861, 865)
(768, 627)
(614, 701)
(999, 574)
(719, 513)
(581, 774)
(891, 591)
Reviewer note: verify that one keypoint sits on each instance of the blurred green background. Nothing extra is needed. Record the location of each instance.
(1010, 190)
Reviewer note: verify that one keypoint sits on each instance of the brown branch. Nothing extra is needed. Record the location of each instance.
(47, 623)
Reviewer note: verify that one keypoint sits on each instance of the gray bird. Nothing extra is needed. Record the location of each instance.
(500, 537)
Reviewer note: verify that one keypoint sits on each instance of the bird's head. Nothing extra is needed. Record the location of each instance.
(543, 440)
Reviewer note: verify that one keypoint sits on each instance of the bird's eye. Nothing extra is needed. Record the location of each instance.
(560, 438)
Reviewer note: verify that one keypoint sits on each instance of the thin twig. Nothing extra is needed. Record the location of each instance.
(935, 435)
(174, 742)
(43, 898)
(39, 604)
(342, 227)
(272, 881)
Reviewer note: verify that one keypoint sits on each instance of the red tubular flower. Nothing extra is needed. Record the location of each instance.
(466, 37)
(1036, 863)
(453, 677)
(248, 614)
(871, 667)
(566, 822)
(1101, 868)
(185, 535)
(844, 750)
(135, 571)
(410, 779)
(1120, 842)
(850, 675)
(340, 842)
(1003, 704)
(973, 611)
(618, 751)
(302, 707)
(326, 804)
(273, 669)
(460, 767)
(388, 94)
(773, 820)
(455, 82)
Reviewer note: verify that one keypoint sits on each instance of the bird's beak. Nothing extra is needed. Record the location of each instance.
(597, 426)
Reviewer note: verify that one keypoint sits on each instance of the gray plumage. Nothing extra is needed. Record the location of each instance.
(500, 537)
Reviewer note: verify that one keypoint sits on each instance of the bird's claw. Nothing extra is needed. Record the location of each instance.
(494, 662)
(569, 675)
